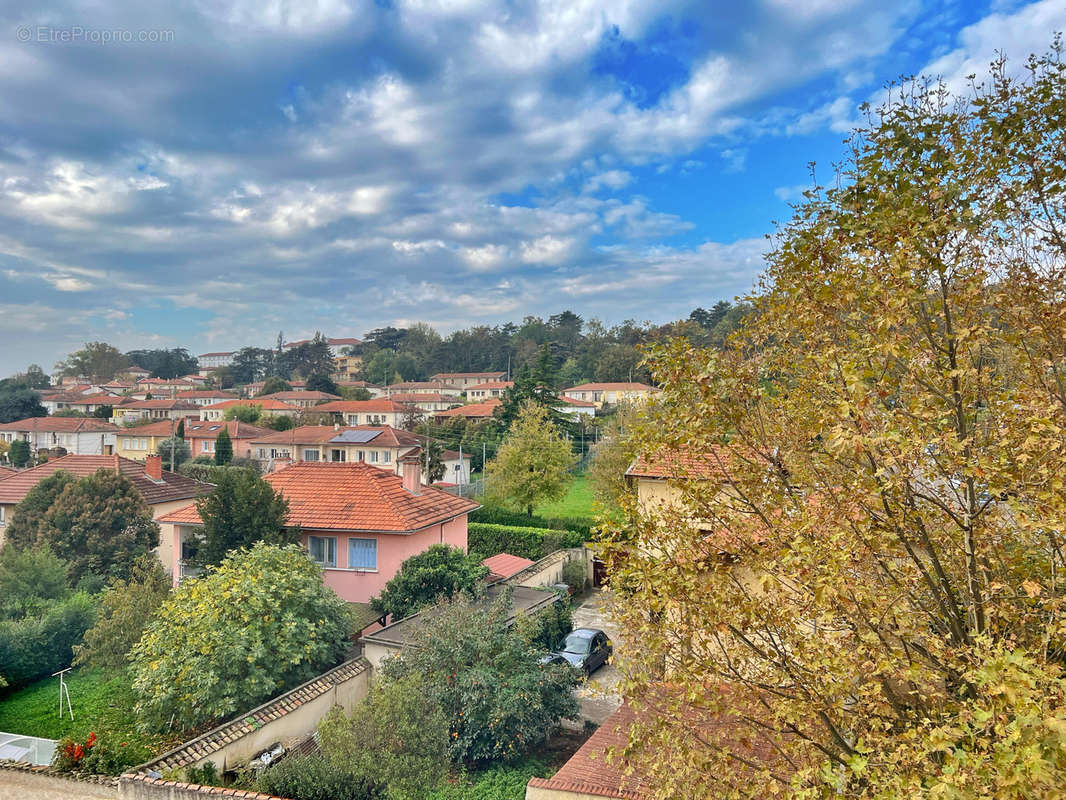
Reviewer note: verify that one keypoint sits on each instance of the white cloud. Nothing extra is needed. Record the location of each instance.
(614, 179)
(546, 250)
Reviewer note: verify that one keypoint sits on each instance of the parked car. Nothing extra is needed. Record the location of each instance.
(586, 649)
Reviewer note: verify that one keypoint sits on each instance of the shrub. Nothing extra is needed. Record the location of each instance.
(205, 775)
(575, 575)
(440, 571)
(98, 755)
(260, 623)
(487, 539)
(313, 777)
(209, 472)
(504, 516)
(547, 627)
(70, 754)
(30, 581)
(36, 646)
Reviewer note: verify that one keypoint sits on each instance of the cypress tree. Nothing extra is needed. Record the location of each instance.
(223, 448)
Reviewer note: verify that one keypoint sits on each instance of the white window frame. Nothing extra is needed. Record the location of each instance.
(330, 543)
(309, 454)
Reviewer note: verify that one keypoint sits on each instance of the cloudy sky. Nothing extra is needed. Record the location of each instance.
(239, 167)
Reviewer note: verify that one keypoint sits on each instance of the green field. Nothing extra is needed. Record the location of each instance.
(102, 702)
(577, 502)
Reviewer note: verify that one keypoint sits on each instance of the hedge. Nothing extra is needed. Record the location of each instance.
(496, 515)
(487, 539)
(36, 646)
(209, 473)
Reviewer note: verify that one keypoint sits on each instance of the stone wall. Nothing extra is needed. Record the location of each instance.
(549, 570)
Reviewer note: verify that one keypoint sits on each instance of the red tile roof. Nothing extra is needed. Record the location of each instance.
(474, 410)
(491, 385)
(572, 402)
(422, 397)
(170, 403)
(379, 404)
(588, 772)
(320, 434)
(205, 355)
(6, 472)
(431, 385)
(94, 399)
(265, 403)
(679, 464)
(200, 394)
(352, 497)
(504, 565)
(198, 429)
(60, 425)
(486, 375)
(624, 386)
(172, 487)
(300, 394)
(164, 427)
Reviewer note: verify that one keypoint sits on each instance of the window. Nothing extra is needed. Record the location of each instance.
(310, 455)
(353, 419)
(362, 553)
(386, 456)
(362, 455)
(337, 455)
(276, 453)
(262, 452)
(208, 446)
(323, 550)
(3, 519)
(373, 456)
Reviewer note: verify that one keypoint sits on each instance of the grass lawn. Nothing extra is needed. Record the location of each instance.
(577, 502)
(102, 701)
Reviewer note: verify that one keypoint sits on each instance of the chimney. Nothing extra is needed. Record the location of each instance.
(153, 467)
(412, 474)
(281, 463)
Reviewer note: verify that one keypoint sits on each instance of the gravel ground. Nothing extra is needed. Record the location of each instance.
(599, 696)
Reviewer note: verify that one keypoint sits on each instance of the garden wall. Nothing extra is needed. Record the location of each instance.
(287, 718)
(549, 570)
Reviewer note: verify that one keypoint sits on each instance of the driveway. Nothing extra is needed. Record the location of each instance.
(599, 695)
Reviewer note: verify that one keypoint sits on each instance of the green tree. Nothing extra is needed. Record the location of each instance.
(486, 677)
(31, 579)
(262, 622)
(321, 383)
(180, 433)
(442, 571)
(19, 454)
(123, 614)
(223, 448)
(19, 402)
(276, 422)
(99, 524)
(611, 457)
(243, 412)
(97, 361)
(104, 412)
(33, 378)
(533, 464)
(398, 734)
(24, 527)
(174, 451)
(243, 509)
(274, 384)
(880, 453)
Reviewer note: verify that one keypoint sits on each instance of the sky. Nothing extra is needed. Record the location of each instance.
(210, 173)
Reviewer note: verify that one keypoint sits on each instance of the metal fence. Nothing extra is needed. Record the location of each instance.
(28, 749)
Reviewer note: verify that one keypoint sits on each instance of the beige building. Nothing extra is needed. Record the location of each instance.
(382, 446)
(600, 394)
(464, 380)
(380, 411)
(483, 391)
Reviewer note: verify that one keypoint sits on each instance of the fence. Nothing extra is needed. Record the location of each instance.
(29, 749)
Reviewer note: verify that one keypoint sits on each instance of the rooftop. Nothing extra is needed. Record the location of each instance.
(301, 394)
(473, 410)
(380, 404)
(625, 386)
(679, 464)
(504, 565)
(265, 403)
(198, 429)
(60, 425)
(352, 496)
(386, 436)
(172, 486)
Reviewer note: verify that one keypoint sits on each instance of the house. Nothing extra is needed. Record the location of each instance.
(358, 522)
(201, 436)
(474, 411)
(155, 409)
(212, 361)
(135, 373)
(163, 387)
(380, 411)
(576, 408)
(484, 391)
(301, 398)
(382, 446)
(336, 346)
(163, 491)
(465, 380)
(276, 408)
(255, 387)
(141, 441)
(49, 435)
(437, 388)
(456, 467)
(427, 403)
(610, 393)
(54, 402)
(205, 397)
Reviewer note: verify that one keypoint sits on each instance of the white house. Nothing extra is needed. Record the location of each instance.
(76, 435)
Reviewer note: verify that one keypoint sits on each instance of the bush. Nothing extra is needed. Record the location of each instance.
(31, 580)
(575, 575)
(36, 646)
(547, 627)
(97, 755)
(504, 516)
(314, 778)
(261, 623)
(423, 579)
(209, 472)
(486, 539)
(504, 782)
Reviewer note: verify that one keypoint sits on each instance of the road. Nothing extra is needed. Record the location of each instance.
(599, 696)
(29, 786)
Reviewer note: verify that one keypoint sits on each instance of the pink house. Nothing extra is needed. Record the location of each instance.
(359, 523)
(201, 436)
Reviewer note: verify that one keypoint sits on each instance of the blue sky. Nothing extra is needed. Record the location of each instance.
(338, 165)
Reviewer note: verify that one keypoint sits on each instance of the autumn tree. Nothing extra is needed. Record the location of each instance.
(99, 524)
(97, 361)
(858, 591)
(533, 463)
(27, 515)
(241, 510)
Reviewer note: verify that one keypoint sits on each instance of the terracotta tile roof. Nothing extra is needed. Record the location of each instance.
(492, 376)
(422, 397)
(504, 565)
(172, 487)
(588, 773)
(679, 464)
(352, 497)
(60, 425)
(163, 382)
(200, 394)
(6, 472)
(491, 385)
(474, 410)
(205, 355)
(359, 384)
(300, 394)
(94, 399)
(320, 434)
(171, 403)
(377, 405)
(429, 385)
(265, 403)
(453, 455)
(163, 427)
(624, 386)
(198, 429)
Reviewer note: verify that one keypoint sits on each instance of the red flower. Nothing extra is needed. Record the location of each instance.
(78, 752)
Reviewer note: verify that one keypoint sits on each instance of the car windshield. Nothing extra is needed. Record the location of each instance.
(577, 644)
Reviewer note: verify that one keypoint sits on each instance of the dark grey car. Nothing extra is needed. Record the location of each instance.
(586, 649)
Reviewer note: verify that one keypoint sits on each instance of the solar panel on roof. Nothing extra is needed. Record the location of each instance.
(355, 437)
